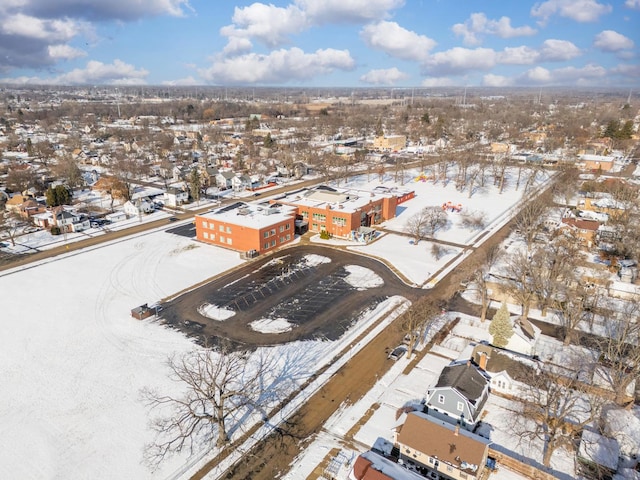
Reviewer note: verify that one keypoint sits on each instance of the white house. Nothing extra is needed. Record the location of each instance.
(174, 197)
(116, 216)
(137, 207)
(525, 337)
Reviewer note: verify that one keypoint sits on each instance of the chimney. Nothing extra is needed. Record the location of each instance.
(483, 358)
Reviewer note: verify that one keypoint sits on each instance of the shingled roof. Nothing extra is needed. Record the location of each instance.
(466, 379)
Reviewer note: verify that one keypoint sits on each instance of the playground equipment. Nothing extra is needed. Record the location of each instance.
(450, 207)
(423, 177)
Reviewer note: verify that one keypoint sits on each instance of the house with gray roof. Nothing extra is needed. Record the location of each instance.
(458, 395)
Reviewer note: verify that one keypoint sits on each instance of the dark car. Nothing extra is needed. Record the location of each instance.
(173, 219)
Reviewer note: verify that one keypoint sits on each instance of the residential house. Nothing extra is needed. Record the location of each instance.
(67, 220)
(241, 182)
(223, 179)
(458, 395)
(24, 205)
(138, 207)
(585, 230)
(371, 466)
(525, 337)
(174, 197)
(390, 143)
(599, 163)
(440, 450)
(507, 375)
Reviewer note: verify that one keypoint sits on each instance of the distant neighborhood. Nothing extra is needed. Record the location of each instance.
(521, 209)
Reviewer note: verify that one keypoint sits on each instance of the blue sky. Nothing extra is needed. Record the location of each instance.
(321, 43)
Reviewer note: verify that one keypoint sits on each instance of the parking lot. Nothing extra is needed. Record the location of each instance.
(315, 298)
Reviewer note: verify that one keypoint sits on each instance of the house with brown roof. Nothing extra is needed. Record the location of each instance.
(371, 466)
(458, 395)
(585, 230)
(440, 450)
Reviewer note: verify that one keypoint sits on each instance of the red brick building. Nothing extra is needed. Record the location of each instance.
(262, 227)
(244, 227)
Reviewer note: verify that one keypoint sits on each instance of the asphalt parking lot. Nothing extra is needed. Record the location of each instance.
(314, 298)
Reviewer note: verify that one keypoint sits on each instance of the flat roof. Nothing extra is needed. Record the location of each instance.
(251, 215)
(346, 200)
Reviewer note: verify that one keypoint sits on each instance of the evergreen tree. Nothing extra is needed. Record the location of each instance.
(195, 181)
(501, 327)
(59, 195)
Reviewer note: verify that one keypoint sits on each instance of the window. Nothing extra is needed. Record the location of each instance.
(204, 224)
(339, 221)
(460, 406)
(266, 245)
(440, 398)
(287, 227)
(288, 237)
(229, 240)
(273, 243)
(265, 234)
(449, 468)
(228, 229)
(206, 235)
(222, 228)
(431, 460)
(320, 217)
(272, 231)
(281, 228)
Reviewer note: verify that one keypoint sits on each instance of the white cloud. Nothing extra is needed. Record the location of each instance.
(522, 55)
(187, 81)
(352, 11)
(237, 45)
(628, 70)
(396, 41)
(458, 60)
(65, 52)
(558, 51)
(118, 73)
(491, 80)
(280, 66)
(21, 25)
(611, 41)
(268, 24)
(478, 24)
(578, 10)
(388, 76)
(38, 33)
(632, 4)
(588, 75)
(125, 10)
(439, 82)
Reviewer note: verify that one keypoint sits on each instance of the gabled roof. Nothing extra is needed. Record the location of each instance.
(371, 466)
(441, 440)
(466, 379)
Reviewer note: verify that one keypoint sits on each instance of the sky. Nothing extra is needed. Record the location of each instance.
(321, 43)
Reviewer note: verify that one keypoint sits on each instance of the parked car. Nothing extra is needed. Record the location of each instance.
(397, 352)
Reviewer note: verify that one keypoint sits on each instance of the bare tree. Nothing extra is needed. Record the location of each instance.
(416, 321)
(554, 409)
(426, 223)
(529, 220)
(518, 282)
(481, 276)
(12, 225)
(219, 387)
(574, 309)
(619, 348)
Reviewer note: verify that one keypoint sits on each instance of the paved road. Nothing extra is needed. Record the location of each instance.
(9, 262)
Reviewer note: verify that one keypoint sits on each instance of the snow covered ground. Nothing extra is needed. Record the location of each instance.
(73, 360)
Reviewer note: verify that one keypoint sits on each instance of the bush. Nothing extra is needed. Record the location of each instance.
(324, 235)
(55, 230)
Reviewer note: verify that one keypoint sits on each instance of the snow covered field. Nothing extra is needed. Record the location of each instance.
(73, 360)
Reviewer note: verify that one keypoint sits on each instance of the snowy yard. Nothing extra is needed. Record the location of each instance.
(74, 360)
